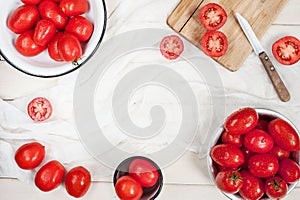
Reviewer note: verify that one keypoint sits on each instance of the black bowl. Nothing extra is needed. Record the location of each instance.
(148, 193)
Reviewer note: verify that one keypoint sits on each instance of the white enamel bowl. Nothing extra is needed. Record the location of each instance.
(42, 65)
(263, 114)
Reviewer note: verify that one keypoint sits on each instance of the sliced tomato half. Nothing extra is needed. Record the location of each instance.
(212, 16)
(171, 47)
(39, 109)
(214, 43)
(286, 50)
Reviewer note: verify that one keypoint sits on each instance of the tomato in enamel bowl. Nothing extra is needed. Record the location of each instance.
(267, 165)
(40, 63)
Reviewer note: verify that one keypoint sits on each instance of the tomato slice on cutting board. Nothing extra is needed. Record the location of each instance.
(214, 43)
(286, 50)
(212, 16)
(39, 109)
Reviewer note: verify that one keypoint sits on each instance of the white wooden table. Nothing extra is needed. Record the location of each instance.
(185, 179)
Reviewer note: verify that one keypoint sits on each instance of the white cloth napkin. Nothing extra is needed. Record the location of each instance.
(58, 134)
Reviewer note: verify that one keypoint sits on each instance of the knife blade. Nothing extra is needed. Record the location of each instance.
(277, 82)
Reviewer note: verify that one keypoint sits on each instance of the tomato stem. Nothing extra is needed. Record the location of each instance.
(276, 184)
(235, 177)
(75, 62)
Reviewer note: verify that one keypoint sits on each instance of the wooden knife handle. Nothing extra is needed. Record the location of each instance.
(278, 84)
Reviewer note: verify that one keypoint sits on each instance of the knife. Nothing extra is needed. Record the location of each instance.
(278, 84)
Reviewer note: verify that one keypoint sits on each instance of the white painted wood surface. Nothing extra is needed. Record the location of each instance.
(185, 179)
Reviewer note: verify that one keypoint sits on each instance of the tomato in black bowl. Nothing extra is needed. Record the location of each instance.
(139, 172)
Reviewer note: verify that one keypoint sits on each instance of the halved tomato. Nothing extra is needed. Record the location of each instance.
(212, 16)
(286, 50)
(39, 109)
(171, 47)
(214, 43)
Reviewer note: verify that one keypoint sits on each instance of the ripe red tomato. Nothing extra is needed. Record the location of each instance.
(53, 49)
(49, 176)
(253, 187)
(49, 10)
(258, 141)
(212, 16)
(26, 46)
(78, 181)
(280, 153)
(81, 27)
(284, 135)
(276, 188)
(221, 168)
(171, 47)
(39, 109)
(232, 139)
(227, 155)
(30, 155)
(127, 188)
(32, 2)
(23, 18)
(229, 181)
(286, 50)
(74, 7)
(241, 121)
(214, 43)
(263, 165)
(144, 172)
(69, 47)
(262, 125)
(289, 170)
(44, 31)
(247, 155)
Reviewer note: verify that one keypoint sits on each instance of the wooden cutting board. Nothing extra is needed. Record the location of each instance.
(260, 14)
